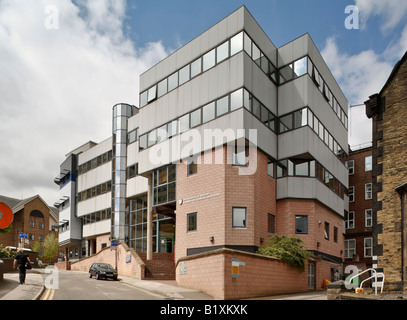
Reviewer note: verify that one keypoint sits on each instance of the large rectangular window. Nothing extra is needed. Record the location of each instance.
(368, 218)
(239, 216)
(350, 248)
(209, 60)
(208, 112)
(368, 247)
(301, 224)
(192, 222)
(350, 220)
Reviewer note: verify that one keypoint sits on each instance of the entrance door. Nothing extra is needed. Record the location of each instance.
(311, 275)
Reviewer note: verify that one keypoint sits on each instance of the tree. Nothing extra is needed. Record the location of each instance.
(49, 247)
(288, 249)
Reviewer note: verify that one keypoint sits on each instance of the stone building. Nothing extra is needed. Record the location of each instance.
(388, 111)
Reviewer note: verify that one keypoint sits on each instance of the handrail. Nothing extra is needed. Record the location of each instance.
(374, 276)
(382, 285)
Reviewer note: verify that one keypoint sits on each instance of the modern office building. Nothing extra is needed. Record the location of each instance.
(233, 140)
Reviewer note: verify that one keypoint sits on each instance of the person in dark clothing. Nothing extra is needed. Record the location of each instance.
(20, 261)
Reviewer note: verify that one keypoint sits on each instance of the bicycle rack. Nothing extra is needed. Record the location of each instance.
(375, 276)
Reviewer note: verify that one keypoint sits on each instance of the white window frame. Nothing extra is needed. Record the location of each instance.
(350, 222)
(368, 220)
(351, 193)
(351, 166)
(349, 250)
(368, 193)
(366, 248)
(368, 164)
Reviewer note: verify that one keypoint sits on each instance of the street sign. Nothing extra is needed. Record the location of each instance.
(23, 235)
(6, 216)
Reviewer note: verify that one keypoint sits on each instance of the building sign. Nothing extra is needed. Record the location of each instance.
(198, 197)
(236, 263)
(23, 235)
(183, 267)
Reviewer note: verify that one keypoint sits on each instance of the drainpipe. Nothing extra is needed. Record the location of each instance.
(150, 219)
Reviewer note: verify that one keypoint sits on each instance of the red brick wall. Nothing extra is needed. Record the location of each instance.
(317, 214)
(260, 276)
(255, 192)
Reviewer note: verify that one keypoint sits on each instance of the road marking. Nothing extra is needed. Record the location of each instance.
(49, 295)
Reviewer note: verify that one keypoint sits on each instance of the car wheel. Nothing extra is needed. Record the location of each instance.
(90, 275)
(98, 276)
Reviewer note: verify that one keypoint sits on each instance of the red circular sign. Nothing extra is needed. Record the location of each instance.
(6, 216)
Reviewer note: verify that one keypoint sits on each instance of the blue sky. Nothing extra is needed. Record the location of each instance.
(65, 63)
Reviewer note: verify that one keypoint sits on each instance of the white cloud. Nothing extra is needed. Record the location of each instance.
(391, 12)
(359, 76)
(58, 87)
(363, 74)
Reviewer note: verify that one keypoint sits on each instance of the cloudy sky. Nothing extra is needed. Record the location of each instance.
(65, 63)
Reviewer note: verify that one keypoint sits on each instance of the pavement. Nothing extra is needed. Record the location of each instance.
(10, 289)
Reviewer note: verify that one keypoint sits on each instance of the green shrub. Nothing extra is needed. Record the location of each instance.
(288, 249)
(6, 253)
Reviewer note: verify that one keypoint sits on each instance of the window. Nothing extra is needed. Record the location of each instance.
(208, 112)
(300, 67)
(184, 123)
(236, 99)
(270, 168)
(301, 224)
(326, 231)
(132, 137)
(368, 163)
(196, 67)
(32, 224)
(173, 81)
(286, 123)
(239, 217)
(222, 106)
(368, 191)
(192, 222)
(351, 166)
(184, 75)
(350, 248)
(350, 220)
(368, 247)
(239, 155)
(192, 166)
(271, 221)
(196, 118)
(351, 194)
(162, 87)
(236, 44)
(222, 52)
(209, 60)
(286, 73)
(368, 218)
(152, 94)
(41, 225)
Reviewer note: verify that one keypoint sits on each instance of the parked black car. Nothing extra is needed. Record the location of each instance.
(102, 270)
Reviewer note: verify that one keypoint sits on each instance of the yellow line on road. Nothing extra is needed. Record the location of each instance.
(49, 295)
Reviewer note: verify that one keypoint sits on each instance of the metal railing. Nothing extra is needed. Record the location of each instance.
(375, 276)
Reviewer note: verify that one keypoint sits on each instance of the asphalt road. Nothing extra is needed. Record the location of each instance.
(78, 286)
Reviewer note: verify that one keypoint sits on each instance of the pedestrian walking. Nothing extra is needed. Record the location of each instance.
(20, 262)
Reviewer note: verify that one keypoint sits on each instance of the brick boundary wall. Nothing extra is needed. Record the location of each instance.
(128, 262)
(258, 275)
